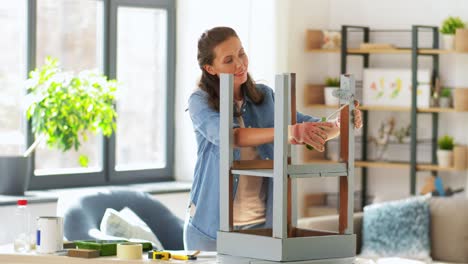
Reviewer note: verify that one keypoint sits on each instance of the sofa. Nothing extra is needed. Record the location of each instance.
(448, 229)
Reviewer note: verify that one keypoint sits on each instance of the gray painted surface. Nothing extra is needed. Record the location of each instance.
(225, 148)
(280, 164)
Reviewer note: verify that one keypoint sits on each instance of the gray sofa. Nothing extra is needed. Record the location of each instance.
(449, 229)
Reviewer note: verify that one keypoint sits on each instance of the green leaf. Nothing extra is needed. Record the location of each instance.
(84, 161)
(70, 105)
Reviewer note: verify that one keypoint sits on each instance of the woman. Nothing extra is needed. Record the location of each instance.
(221, 51)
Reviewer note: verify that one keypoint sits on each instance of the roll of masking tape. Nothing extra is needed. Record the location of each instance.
(129, 250)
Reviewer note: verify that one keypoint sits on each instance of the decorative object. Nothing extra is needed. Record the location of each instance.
(331, 40)
(314, 39)
(445, 98)
(445, 151)
(382, 139)
(392, 87)
(397, 229)
(461, 99)
(461, 40)
(314, 94)
(459, 157)
(435, 93)
(402, 135)
(448, 29)
(331, 83)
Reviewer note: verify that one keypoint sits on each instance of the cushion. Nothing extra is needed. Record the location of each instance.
(397, 229)
(127, 224)
(449, 233)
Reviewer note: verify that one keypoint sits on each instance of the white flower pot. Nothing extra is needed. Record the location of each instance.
(329, 98)
(445, 158)
(444, 102)
(448, 41)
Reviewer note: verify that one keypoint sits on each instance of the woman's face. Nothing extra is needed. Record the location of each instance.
(230, 57)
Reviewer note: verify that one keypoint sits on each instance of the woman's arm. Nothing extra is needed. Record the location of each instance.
(252, 137)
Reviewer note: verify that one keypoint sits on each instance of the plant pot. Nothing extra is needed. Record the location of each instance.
(461, 40)
(444, 102)
(461, 99)
(329, 98)
(14, 175)
(444, 158)
(448, 41)
(459, 157)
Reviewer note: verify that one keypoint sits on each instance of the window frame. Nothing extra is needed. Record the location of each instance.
(108, 175)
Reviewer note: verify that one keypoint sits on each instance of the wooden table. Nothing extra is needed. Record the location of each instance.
(7, 255)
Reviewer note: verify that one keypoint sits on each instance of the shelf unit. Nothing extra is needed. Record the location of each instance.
(415, 51)
(389, 108)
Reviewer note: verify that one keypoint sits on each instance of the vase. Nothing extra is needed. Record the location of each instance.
(444, 102)
(444, 158)
(14, 175)
(448, 41)
(329, 98)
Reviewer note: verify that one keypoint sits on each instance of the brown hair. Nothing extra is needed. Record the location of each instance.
(210, 83)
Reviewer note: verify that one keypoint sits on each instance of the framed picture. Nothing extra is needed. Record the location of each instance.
(392, 87)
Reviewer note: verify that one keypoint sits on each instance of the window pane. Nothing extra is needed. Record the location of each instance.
(13, 30)
(142, 70)
(71, 31)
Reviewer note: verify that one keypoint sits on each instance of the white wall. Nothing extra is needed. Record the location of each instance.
(253, 21)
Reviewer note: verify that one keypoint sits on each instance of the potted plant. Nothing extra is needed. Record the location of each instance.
(445, 98)
(445, 151)
(331, 83)
(448, 29)
(62, 108)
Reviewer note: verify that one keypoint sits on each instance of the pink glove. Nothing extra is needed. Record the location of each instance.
(310, 133)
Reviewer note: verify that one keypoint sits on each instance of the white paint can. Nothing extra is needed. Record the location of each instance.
(49, 234)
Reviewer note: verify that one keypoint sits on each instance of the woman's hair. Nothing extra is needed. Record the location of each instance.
(210, 83)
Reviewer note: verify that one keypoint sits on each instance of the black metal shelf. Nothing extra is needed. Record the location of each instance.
(415, 52)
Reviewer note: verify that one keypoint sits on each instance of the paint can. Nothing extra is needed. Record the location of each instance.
(49, 235)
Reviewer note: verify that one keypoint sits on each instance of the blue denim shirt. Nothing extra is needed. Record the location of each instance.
(205, 188)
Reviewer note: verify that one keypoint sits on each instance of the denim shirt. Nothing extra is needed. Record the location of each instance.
(205, 188)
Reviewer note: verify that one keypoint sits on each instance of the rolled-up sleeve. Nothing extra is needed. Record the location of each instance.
(204, 118)
(300, 117)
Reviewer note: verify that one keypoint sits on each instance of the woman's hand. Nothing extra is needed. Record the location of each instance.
(357, 114)
(310, 133)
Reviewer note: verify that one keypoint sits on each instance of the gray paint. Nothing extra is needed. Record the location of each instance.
(225, 148)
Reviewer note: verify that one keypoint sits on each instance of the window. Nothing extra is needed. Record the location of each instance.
(130, 40)
(12, 71)
(70, 31)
